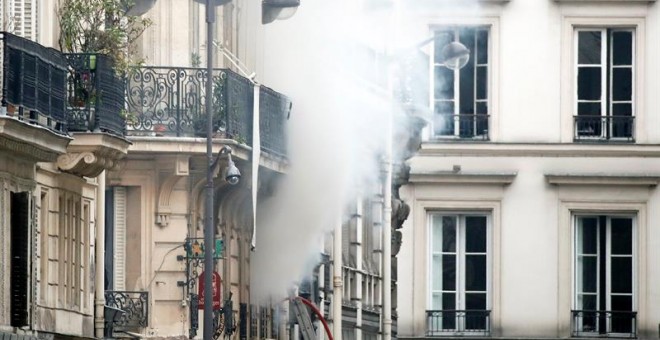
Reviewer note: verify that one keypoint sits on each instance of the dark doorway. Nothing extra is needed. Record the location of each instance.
(20, 265)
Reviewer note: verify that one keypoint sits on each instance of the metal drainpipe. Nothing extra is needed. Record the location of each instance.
(387, 232)
(99, 247)
(337, 282)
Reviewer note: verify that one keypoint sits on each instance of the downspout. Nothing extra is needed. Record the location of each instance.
(99, 249)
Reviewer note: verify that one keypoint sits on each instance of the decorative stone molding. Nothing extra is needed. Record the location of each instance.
(604, 179)
(31, 142)
(89, 154)
(164, 211)
(449, 177)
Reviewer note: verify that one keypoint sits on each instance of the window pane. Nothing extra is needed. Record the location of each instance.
(482, 82)
(448, 301)
(443, 124)
(589, 47)
(467, 88)
(444, 107)
(436, 301)
(622, 84)
(449, 272)
(449, 233)
(588, 274)
(436, 230)
(621, 303)
(621, 236)
(475, 234)
(482, 47)
(622, 48)
(482, 108)
(589, 109)
(475, 301)
(622, 110)
(588, 235)
(444, 83)
(436, 272)
(587, 302)
(442, 38)
(589, 83)
(621, 275)
(475, 272)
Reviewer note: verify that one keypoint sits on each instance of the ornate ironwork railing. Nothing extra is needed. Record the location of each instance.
(462, 126)
(171, 101)
(95, 94)
(448, 322)
(604, 128)
(132, 306)
(33, 82)
(591, 323)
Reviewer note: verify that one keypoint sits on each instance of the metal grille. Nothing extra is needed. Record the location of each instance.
(591, 323)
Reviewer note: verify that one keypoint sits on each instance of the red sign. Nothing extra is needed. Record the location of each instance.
(217, 282)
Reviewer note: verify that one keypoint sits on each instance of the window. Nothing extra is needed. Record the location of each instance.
(74, 222)
(460, 97)
(604, 276)
(604, 63)
(459, 274)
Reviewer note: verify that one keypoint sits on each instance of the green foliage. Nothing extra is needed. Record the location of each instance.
(101, 26)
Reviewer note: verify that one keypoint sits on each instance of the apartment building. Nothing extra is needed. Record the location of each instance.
(102, 198)
(534, 193)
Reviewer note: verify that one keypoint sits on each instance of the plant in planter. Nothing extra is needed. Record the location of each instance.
(101, 26)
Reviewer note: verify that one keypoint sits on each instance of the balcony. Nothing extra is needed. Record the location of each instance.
(604, 128)
(95, 95)
(32, 112)
(33, 82)
(125, 311)
(461, 126)
(457, 322)
(170, 101)
(591, 323)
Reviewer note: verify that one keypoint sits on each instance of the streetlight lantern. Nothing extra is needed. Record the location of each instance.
(272, 10)
(455, 55)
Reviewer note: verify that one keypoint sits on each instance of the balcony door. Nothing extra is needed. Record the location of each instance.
(604, 275)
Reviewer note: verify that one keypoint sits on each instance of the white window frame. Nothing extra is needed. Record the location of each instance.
(606, 101)
(457, 92)
(460, 260)
(635, 255)
(490, 20)
(577, 18)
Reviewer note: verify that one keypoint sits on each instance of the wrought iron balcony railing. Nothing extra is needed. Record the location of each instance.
(131, 309)
(95, 95)
(461, 126)
(170, 101)
(452, 322)
(604, 128)
(591, 323)
(33, 82)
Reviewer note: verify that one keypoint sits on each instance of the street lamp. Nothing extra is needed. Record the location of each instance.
(454, 56)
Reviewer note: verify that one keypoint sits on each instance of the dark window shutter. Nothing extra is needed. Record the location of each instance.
(19, 259)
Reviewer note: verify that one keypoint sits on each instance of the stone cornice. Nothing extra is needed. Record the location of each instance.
(31, 141)
(450, 177)
(538, 150)
(604, 179)
(91, 153)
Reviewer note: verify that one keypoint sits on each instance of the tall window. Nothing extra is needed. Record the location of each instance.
(604, 275)
(605, 77)
(459, 274)
(460, 97)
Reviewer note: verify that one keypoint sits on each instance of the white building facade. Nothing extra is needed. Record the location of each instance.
(534, 194)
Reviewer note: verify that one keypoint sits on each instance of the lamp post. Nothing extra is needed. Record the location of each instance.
(455, 55)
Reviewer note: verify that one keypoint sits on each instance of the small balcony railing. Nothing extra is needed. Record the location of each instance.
(604, 128)
(95, 95)
(458, 322)
(126, 310)
(171, 101)
(33, 82)
(590, 323)
(461, 126)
